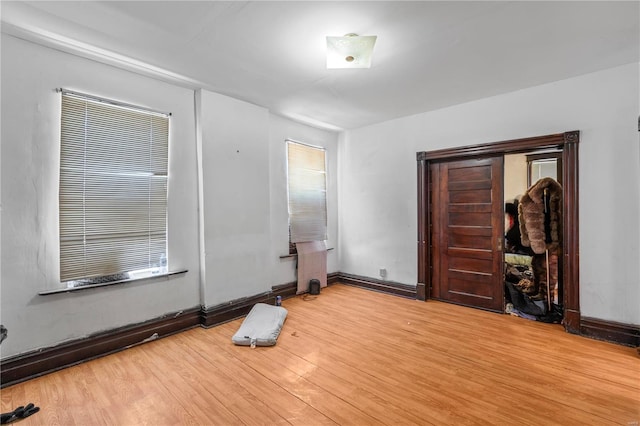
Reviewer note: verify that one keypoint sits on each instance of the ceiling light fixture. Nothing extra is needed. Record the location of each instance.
(350, 51)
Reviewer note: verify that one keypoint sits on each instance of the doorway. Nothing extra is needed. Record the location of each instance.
(433, 210)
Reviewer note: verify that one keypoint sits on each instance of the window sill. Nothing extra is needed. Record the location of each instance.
(88, 286)
(286, 256)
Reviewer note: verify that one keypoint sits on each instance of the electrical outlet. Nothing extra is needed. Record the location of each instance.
(383, 272)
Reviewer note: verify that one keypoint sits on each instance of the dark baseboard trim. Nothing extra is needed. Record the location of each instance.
(610, 331)
(421, 291)
(240, 307)
(285, 290)
(571, 321)
(231, 310)
(42, 361)
(389, 287)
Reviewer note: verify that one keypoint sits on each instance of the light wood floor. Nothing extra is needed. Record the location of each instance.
(352, 356)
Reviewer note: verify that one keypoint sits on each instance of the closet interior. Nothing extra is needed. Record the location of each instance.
(533, 201)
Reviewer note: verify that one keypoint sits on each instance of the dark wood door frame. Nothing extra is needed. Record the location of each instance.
(568, 143)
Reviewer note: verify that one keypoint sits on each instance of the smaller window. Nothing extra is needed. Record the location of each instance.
(307, 190)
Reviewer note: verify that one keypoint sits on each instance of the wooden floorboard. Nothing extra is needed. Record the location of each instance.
(351, 356)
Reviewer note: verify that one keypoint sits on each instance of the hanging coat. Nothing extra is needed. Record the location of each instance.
(540, 214)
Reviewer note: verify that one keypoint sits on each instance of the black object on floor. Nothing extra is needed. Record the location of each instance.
(19, 413)
(314, 286)
(554, 316)
(523, 302)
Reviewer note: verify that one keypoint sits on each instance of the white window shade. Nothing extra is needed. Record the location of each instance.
(113, 188)
(307, 193)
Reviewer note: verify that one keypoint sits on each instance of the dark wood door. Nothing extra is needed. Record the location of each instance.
(468, 227)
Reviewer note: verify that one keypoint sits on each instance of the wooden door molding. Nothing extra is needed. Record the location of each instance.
(571, 233)
(568, 143)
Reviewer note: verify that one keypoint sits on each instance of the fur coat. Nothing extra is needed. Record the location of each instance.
(541, 216)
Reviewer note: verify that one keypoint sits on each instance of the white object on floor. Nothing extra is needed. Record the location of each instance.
(261, 327)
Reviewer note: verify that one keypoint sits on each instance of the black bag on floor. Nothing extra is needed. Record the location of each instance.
(522, 302)
(314, 286)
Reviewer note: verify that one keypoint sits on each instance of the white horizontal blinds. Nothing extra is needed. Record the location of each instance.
(113, 188)
(307, 193)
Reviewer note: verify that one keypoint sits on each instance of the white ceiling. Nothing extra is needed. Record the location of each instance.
(429, 54)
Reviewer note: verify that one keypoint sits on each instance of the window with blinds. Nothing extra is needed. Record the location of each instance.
(307, 187)
(113, 190)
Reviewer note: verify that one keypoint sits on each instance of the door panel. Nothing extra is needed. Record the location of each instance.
(475, 237)
(468, 226)
(470, 219)
(459, 263)
(470, 196)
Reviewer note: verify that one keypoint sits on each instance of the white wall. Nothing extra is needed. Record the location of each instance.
(378, 180)
(245, 218)
(235, 162)
(29, 197)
